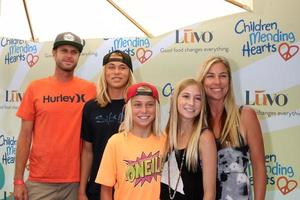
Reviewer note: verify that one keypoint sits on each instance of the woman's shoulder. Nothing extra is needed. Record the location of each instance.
(207, 135)
(247, 113)
(246, 110)
(249, 124)
(207, 141)
(206, 130)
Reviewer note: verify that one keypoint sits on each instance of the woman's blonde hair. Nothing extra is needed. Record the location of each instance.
(230, 116)
(102, 92)
(127, 124)
(173, 125)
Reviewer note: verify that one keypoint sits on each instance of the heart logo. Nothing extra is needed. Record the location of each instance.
(287, 51)
(31, 59)
(143, 55)
(285, 186)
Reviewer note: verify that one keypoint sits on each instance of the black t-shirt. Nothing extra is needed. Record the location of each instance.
(192, 182)
(98, 125)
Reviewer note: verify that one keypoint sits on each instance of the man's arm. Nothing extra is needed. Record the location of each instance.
(23, 149)
(85, 169)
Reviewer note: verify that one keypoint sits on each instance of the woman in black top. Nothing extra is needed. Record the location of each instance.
(189, 171)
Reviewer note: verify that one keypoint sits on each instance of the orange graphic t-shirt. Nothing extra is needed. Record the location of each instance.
(132, 165)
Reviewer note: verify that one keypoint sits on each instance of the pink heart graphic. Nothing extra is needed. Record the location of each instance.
(143, 55)
(31, 59)
(287, 51)
(285, 186)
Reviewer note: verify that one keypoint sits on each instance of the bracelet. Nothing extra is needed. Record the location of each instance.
(18, 182)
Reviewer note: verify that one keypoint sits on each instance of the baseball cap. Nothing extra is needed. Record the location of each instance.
(126, 59)
(69, 38)
(133, 91)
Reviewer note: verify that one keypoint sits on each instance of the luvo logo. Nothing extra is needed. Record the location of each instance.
(189, 36)
(13, 96)
(261, 98)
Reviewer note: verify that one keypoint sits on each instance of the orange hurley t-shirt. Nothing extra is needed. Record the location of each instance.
(132, 165)
(56, 109)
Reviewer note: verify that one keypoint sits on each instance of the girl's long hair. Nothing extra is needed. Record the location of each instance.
(173, 125)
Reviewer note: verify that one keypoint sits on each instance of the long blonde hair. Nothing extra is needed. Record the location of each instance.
(173, 125)
(102, 92)
(230, 116)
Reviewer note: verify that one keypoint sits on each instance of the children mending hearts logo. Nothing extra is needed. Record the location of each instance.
(143, 55)
(31, 59)
(285, 186)
(287, 51)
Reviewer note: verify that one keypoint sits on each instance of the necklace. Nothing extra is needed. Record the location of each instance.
(172, 196)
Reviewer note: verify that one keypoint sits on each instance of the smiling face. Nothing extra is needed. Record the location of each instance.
(143, 111)
(116, 73)
(189, 102)
(66, 57)
(216, 82)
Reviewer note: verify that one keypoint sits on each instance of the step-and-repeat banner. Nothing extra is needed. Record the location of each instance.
(262, 47)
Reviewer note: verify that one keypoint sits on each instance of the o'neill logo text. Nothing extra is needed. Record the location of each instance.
(143, 169)
(261, 98)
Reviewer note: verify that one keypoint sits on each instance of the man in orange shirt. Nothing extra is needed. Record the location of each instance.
(51, 112)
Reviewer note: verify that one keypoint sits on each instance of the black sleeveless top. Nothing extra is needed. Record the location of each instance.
(190, 186)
